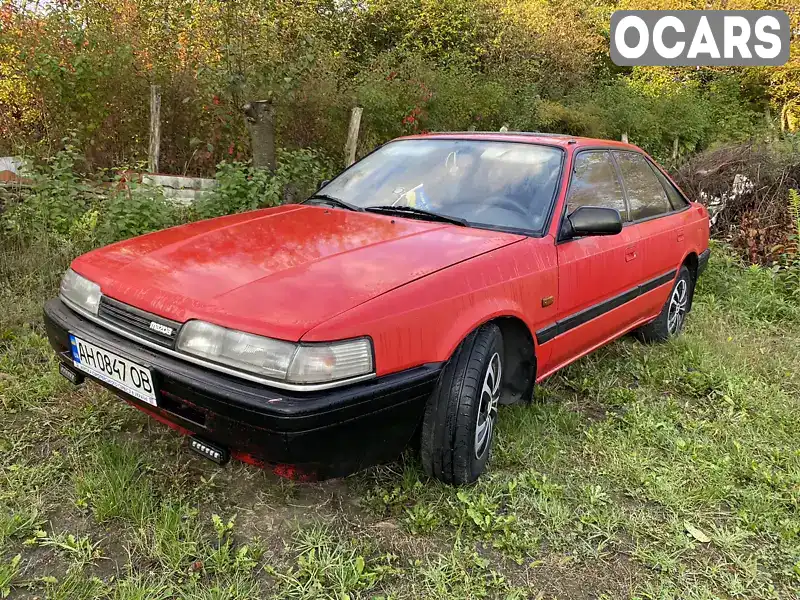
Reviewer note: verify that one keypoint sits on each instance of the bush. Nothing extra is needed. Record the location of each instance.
(134, 210)
(242, 187)
(63, 204)
(57, 196)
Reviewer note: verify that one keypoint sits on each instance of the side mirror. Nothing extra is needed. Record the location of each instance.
(322, 184)
(591, 220)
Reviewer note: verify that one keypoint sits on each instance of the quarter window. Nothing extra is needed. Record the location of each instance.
(646, 196)
(595, 183)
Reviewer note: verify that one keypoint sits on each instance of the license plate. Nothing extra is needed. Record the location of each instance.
(120, 372)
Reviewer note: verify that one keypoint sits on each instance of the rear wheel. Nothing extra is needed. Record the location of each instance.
(460, 417)
(670, 321)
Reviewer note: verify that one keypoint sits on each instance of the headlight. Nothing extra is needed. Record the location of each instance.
(276, 359)
(80, 291)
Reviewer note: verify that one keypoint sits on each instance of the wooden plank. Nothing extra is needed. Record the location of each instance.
(352, 136)
(155, 129)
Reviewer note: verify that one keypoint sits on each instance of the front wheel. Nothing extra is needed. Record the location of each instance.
(670, 321)
(460, 417)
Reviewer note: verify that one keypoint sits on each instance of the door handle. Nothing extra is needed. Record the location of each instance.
(681, 236)
(630, 253)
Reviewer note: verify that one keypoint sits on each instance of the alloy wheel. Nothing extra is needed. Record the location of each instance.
(487, 411)
(677, 306)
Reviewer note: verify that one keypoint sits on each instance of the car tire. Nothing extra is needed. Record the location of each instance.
(460, 416)
(670, 321)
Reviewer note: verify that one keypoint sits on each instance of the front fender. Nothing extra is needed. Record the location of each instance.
(425, 320)
(468, 321)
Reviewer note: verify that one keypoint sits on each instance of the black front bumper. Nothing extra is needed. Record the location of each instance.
(320, 434)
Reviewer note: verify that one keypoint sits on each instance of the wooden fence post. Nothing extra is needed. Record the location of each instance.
(675, 149)
(155, 129)
(352, 136)
(259, 117)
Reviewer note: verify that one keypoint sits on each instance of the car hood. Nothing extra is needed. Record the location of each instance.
(278, 272)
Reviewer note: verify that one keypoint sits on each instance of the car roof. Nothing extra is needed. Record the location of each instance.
(530, 137)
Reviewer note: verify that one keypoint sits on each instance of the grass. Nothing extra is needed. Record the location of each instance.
(662, 472)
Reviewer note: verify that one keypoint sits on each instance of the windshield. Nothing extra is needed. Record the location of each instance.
(494, 184)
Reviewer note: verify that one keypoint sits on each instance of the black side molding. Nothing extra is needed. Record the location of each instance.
(579, 318)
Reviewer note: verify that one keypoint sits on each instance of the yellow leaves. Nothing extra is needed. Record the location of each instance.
(565, 34)
(703, 5)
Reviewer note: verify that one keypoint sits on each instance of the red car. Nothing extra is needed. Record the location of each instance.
(437, 278)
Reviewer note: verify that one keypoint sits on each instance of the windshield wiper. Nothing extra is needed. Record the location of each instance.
(335, 201)
(407, 211)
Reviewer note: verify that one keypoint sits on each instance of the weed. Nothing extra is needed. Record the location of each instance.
(82, 550)
(226, 557)
(171, 536)
(236, 587)
(75, 585)
(116, 485)
(142, 587)
(790, 269)
(8, 572)
(422, 518)
(18, 524)
(463, 574)
(330, 568)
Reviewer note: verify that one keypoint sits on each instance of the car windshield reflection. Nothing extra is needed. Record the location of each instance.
(485, 183)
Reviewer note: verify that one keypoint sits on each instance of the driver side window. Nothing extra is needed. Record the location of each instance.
(595, 183)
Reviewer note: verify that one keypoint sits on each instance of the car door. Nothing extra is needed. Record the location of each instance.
(597, 276)
(659, 225)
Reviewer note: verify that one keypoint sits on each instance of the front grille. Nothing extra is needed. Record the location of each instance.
(138, 322)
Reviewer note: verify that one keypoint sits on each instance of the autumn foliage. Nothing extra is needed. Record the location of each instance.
(414, 65)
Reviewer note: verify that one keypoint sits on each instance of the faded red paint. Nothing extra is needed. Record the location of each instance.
(416, 288)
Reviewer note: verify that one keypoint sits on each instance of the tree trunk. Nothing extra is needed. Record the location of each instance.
(260, 119)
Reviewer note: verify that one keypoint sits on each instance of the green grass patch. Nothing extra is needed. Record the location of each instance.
(664, 472)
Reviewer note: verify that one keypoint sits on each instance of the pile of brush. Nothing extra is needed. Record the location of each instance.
(746, 189)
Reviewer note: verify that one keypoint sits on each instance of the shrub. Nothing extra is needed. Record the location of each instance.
(60, 202)
(63, 204)
(135, 210)
(241, 187)
(57, 196)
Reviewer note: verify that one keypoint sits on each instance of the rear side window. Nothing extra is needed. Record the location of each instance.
(676, 200)
(646, 196)
(595, 183)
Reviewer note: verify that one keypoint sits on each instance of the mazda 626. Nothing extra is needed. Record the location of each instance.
(439, 277)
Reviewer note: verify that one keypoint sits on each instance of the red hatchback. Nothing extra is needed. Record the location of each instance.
(437, 278)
